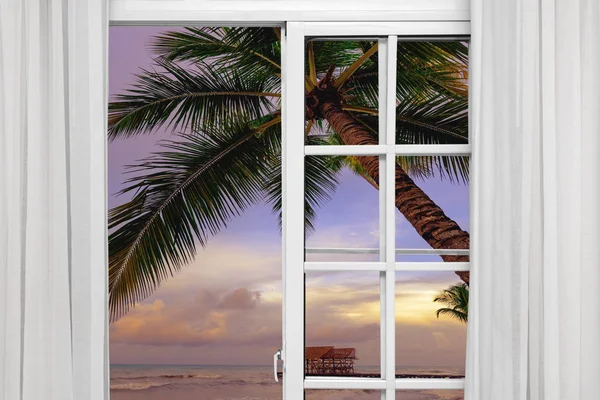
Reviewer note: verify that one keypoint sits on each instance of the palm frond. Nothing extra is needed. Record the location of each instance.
(456, 298)
(320, 184)
(182, 98)
(321, 174)
(424, 69)
(364, 86)
(340, 53)
(246, 49)
(437, 67)
(452, 313)
(434, 120)
(437, 119)
(352, 68)
(181, 196)
(360, 109)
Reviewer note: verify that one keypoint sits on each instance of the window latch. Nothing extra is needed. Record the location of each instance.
(276, 357)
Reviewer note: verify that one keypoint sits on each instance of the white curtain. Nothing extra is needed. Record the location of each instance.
(534, 317)
(52, 200)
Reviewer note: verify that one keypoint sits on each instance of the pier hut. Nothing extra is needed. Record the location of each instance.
(328, 360)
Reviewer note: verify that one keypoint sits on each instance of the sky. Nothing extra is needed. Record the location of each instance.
(224, 308)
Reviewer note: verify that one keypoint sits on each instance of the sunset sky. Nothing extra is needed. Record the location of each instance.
(225, 307)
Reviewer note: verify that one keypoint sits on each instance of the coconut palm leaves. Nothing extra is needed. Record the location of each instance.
(189, 98)
(438, 119)
(249, 51)
(180, 196)
(219, 90)
(188, 192)
(320, 182)
(456, 300)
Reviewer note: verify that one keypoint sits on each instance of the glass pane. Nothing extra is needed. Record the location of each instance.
(437, 394)
(342, 210)
(432, 93)
(223, 306)
(342, 394)
(429, 346)
(341, 92)
(433, 205)
(342, 324)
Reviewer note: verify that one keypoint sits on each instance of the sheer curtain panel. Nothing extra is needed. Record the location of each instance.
(534, 317)
(52, 200)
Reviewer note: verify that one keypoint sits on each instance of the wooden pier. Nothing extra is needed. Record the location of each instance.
(328, 360)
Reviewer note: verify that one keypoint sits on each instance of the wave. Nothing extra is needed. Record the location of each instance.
(136, 385)
(199, 376)
(139, 386)
(168, 376)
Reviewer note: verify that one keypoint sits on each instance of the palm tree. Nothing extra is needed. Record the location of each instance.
(456, 299)
(221, 87)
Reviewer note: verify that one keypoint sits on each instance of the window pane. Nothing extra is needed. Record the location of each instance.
(437, 394)
(432, 205)
(187, 119)
(432, 93)
(341, 92)
(428, 346)
(342, 324)
(342, 210)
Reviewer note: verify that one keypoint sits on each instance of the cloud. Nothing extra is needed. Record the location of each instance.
(154, 324)
(226, 308)
(442, 344)
(223, 266)
(340, 333)
(441, 340)
(225, 305)
(206, 317)
(240, 299)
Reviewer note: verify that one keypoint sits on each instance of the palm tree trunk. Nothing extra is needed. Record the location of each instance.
(430, 221)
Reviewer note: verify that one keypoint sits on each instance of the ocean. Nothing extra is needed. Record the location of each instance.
(203, 382)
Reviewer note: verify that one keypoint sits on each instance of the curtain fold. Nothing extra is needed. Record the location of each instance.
(534, 317)
(53, 323)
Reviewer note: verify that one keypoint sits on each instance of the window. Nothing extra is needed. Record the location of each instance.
(388, 131)
(385, 263)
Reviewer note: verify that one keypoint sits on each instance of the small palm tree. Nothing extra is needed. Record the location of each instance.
(456, 300)
(221, 87)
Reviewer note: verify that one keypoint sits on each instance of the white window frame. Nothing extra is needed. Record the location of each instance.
(294, 151)
(298, 20)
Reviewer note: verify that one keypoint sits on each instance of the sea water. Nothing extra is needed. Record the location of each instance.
(205, 382)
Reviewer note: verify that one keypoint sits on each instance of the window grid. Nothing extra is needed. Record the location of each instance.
(387, 150)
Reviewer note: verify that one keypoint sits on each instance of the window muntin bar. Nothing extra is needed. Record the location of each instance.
(344, 266)
(398, 150)
(381, 266)
(334, 250)
(336, 150)
(430, 383)
(318, 382)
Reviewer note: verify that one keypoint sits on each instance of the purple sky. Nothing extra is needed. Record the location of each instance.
(225, 308)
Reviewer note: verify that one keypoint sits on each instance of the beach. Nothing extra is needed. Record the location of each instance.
(187, 382)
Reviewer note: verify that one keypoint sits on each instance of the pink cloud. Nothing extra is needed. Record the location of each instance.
(240, 299)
